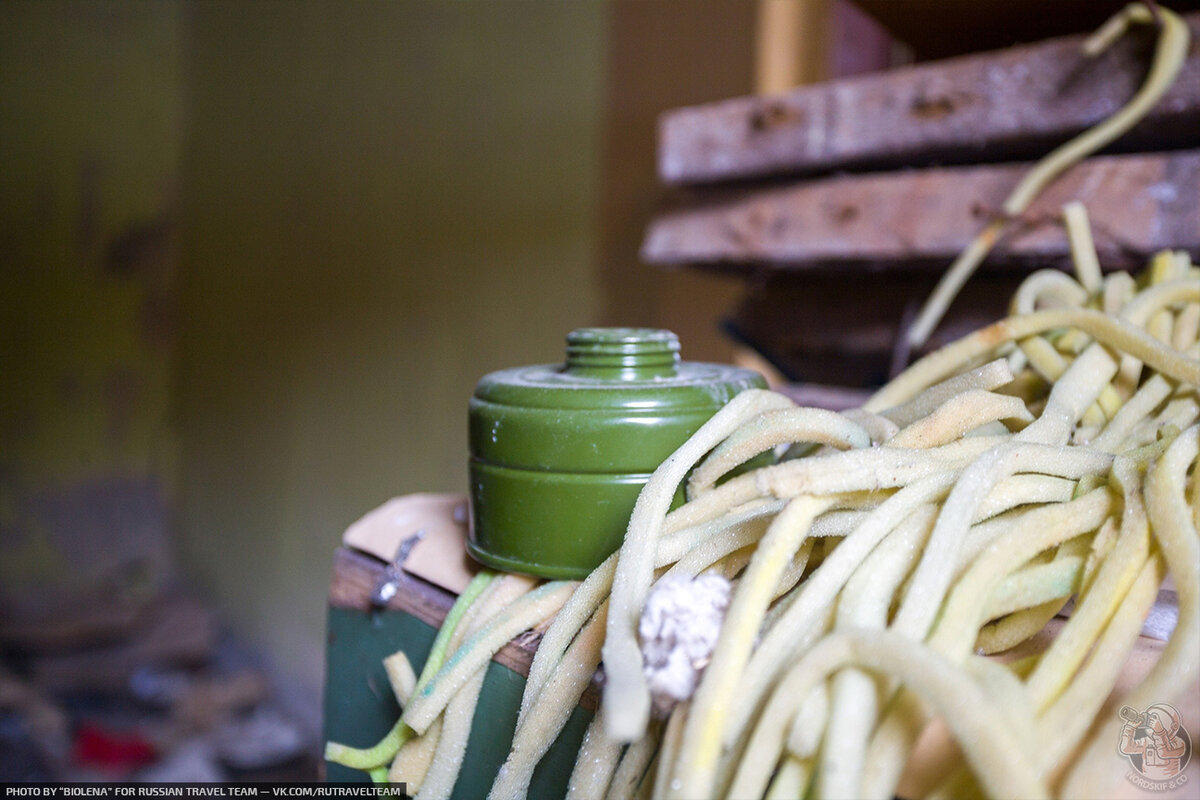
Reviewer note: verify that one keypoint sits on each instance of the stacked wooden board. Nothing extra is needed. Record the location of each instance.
(842, 202)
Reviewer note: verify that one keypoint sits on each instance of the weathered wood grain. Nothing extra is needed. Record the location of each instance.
(824, 327)
(1138, 204)
(1007, 104)
(946, 28)
(356, 574)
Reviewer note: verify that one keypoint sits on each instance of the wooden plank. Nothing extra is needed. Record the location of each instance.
(356, 574)
(947, 28)
(1138, 205)
(1007, 104)
(813, 329)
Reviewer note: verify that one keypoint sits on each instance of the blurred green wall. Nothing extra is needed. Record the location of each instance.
(91, 111)
(261, 252)
(382, 202)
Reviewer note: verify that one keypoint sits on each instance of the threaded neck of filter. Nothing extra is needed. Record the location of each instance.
(622, 353)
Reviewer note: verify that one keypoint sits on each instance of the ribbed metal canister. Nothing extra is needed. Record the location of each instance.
(559, 452)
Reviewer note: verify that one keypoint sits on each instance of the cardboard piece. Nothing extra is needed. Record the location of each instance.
(440, 557)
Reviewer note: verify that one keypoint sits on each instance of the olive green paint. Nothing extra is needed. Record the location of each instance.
(360, 707)
(560, 452)
(91, 111)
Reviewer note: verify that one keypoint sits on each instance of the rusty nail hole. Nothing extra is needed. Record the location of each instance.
(772, 115)
(933, 107)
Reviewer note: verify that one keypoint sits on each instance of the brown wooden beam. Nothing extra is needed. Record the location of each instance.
(947, 28)
(1007, 104)
(1138, 205)
(355, 576)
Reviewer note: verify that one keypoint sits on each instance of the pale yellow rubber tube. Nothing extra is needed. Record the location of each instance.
(1175, 531)
(996, 754)
(625, 694)
(694, 768)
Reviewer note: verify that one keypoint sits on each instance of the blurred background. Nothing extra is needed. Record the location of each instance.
(255, 257)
